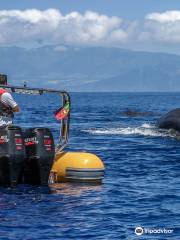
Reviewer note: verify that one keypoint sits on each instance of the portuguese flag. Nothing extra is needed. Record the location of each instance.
(62, 112)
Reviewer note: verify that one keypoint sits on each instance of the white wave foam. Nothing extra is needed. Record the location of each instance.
(143, 130)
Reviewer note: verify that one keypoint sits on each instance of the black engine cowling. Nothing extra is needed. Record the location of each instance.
(40, 153)
(25, 156)
(12, 155)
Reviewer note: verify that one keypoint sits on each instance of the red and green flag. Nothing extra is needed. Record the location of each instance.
(62, 112)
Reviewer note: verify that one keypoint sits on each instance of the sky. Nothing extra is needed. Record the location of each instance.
(148, 25)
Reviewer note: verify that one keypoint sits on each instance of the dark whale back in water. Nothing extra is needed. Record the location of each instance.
(135, 113)
(171, 120)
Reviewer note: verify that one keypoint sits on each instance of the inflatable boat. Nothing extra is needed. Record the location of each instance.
(29, 156)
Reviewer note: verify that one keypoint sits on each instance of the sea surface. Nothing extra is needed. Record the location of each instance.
(141, 187)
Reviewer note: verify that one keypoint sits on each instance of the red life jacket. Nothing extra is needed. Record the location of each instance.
(2, 91)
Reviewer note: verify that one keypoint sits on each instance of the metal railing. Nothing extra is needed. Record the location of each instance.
(64, 123)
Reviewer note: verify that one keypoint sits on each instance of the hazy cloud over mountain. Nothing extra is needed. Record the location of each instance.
(30, 27)
(163, 27)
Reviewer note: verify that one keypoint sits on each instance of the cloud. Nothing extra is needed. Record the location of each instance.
(51, 27)
(166, 17)
(18, 26)
(34, 27)
(162, 27)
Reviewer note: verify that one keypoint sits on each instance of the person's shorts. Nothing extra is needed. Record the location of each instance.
(5, 121)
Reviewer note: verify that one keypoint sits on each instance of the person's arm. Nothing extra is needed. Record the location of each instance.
(15, 109)
(8, 100)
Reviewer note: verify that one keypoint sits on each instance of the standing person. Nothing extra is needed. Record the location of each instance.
(7, 108)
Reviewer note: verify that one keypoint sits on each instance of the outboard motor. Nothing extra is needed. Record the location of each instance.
(12, 155)
(40, 153)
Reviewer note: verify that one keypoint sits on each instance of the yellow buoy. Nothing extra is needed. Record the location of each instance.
(77, 166)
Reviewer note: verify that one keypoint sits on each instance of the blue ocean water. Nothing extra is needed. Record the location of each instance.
(141, 187)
